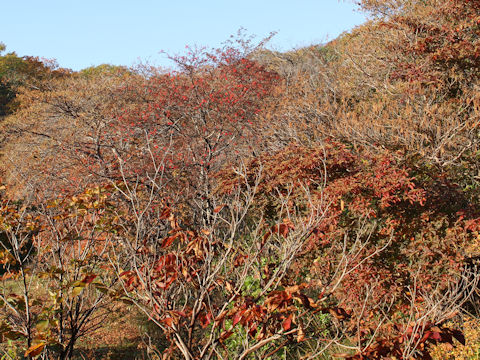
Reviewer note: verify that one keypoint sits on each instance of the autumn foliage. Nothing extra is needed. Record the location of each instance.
(248, 204)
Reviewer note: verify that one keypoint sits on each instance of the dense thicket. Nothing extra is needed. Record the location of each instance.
(249, 204)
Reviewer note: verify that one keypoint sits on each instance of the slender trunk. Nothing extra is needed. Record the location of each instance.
(28, 319)
(60, 322)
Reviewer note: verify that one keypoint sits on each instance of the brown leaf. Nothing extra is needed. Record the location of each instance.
(457, 334)
(228, 286)
(225, 336)
(300, 334)
(165, 213)
(339, 313)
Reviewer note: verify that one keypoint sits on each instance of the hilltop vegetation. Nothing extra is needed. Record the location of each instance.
(317, 204)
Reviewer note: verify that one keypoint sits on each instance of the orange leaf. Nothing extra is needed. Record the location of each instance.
(168, 321)
(35, 350)
(341, 355)
(218, 208)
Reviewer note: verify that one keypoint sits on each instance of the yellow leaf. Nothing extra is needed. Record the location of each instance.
(77, 290)
(42, 325)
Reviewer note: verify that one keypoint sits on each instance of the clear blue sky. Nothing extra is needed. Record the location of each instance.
(81, 33)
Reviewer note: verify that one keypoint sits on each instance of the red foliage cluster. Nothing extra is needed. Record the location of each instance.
(197, 118)
(414, 218)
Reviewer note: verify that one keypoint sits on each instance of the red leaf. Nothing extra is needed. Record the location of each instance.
(89, 278)
(237, 317)
(253, 329)
(206, 320)
(169, 240)
(287, 324)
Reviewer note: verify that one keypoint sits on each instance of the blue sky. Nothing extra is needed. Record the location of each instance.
(81, 33)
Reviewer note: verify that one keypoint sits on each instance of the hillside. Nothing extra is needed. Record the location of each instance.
(321, 203)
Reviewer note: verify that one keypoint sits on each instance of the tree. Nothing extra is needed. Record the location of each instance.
(213, 290)
(28, 71)
(194, 121)
(61, 130)
(55, 286)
